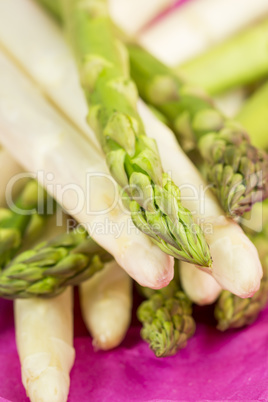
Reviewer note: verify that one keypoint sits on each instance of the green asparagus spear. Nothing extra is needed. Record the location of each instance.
(14, 221)
(47, 269)
(253, 116)
(53, 6)
(132, 157)
(166, 319)
(236, 170)
(238, 61)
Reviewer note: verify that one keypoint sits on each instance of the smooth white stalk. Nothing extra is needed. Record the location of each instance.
(44, 335)
(197, 25)
(133, 15)
(39, 47)
(106, 303)
(236, 265)
(199, 286)
(8, 169)
(75, 174)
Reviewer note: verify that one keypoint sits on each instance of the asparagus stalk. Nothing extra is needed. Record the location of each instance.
(236, 265)
(228, 65)
(166, 319)
(201, 288)
(133, 159)
(236, 170)
(52, 6)
(79, 173)
(197, 26)
(159, 221)
(106, 303)
(253, 116)
(47, 269)
(44, 335)
(14, 221)
(133, 15)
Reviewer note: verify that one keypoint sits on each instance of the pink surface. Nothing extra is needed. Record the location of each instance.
(215, 366)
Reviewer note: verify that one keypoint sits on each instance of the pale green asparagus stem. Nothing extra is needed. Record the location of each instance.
(52, 6)
(236, 170)
(47, 269)
(228, 64)
(133, 158)
(166, 319)
(253, 116)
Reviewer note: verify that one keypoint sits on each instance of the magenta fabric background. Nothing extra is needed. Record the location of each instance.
(215, 366)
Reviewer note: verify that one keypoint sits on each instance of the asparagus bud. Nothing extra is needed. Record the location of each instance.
(166, 319)
(50, 267)
(106, 302)
(44, 335)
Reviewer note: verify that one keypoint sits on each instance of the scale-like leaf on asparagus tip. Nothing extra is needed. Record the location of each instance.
(166, 319)
(47, 269)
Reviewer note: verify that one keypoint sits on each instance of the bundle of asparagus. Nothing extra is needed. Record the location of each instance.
(137, 148)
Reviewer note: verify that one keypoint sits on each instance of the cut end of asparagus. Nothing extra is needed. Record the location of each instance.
(52, 385)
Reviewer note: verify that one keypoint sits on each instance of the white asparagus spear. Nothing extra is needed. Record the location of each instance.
(38, 45)
(44, 335)
(106, 303)
(197, 25)
(236, 264)
(76, 175)
(133, 15)
(199, 286)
